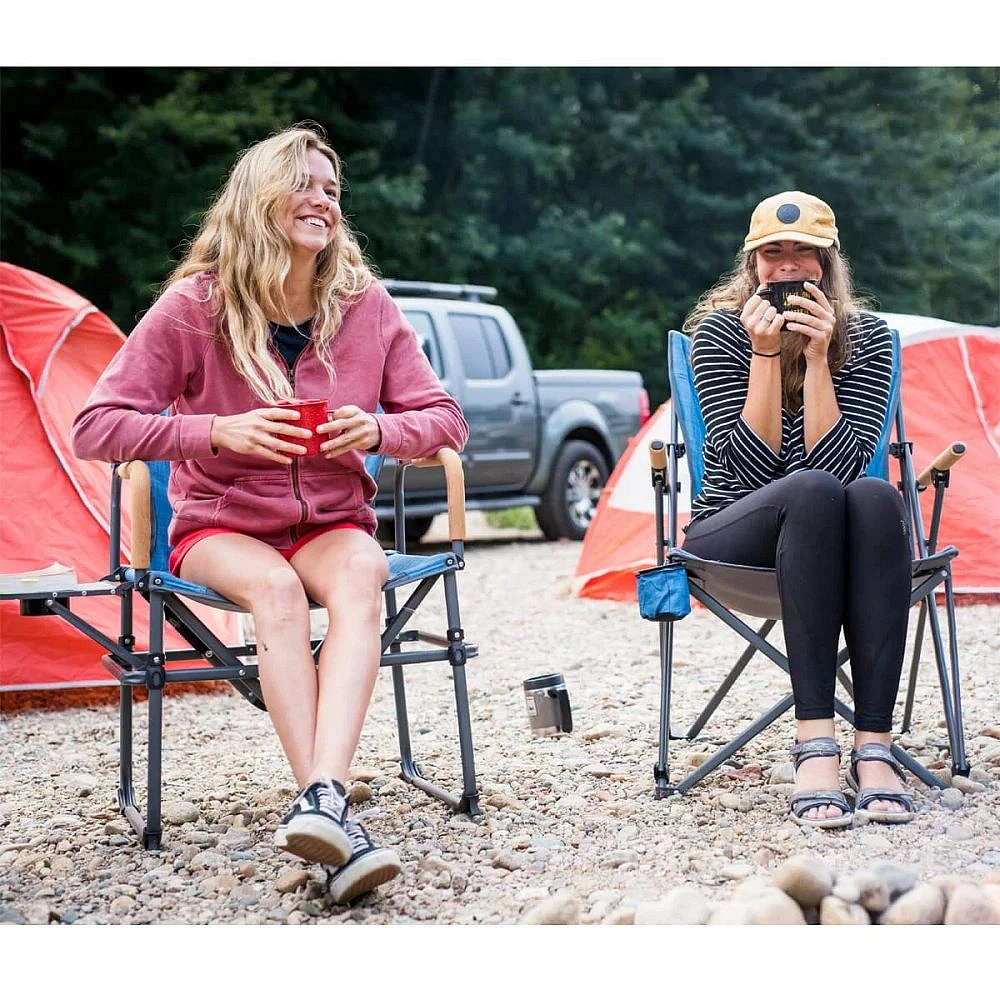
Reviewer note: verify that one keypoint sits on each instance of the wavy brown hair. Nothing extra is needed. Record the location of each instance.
(731, 292)
(241, 244)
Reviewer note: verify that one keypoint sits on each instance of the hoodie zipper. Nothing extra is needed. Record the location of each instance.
(296, 483)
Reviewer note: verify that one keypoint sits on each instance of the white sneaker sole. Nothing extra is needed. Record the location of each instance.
(314, 838)
(364, 874)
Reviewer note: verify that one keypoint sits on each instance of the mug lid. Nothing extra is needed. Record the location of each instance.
(543, 681)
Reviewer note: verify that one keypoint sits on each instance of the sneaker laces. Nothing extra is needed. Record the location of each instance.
(360, 841)
(329, 799)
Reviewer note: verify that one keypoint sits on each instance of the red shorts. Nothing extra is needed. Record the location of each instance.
(181, 549)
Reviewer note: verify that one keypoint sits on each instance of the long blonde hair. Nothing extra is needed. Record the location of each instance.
(731, 292)
(242, 245)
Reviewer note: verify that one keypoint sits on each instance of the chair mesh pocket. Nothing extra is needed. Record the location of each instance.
(663, 593)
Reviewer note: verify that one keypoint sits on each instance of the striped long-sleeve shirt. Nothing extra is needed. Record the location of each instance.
(737, 461)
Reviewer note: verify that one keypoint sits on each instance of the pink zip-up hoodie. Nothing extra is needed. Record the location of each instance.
(174, 359)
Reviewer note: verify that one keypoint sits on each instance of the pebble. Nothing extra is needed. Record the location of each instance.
(834, 910)
(968, 904)
(923, 904)
(806, 879)
(178, 813)
(560, 909)
(682, 905)
(951, 798)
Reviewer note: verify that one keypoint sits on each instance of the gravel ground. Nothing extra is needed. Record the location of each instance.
(570, 830)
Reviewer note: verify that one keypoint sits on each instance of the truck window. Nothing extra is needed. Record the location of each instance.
(427, 336)
(481, 345)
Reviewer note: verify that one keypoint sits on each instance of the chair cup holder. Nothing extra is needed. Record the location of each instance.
(663, 593)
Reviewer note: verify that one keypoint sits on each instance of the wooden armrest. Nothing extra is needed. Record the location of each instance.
(454, 478)
(657, 455)
(943, 462)
(137, 474)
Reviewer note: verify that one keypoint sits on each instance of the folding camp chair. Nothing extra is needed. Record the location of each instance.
(725, 588)
(411, 579)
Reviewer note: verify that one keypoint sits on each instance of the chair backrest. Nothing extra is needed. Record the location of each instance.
(161, 511)
(684, 399)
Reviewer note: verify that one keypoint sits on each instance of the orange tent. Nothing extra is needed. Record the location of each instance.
(951, 392)
(54, 507)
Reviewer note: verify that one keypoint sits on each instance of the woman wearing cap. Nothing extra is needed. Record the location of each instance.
(794, 403)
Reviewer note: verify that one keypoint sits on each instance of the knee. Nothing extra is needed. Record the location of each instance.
(816, 491)
(357, 583)
(277, 593)
(873, 494)
(874, 505)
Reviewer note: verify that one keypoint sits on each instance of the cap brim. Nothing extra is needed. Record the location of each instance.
(816, 241)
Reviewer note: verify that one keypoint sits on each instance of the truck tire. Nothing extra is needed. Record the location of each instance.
(574, 489)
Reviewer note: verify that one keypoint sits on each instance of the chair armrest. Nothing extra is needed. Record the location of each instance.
(454, 477)
(942, 463)
(137, 474)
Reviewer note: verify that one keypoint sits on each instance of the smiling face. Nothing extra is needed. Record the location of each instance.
(311, 214)
(787, 260)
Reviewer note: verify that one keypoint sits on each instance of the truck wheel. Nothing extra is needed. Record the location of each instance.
(416, 528)
(571, 498)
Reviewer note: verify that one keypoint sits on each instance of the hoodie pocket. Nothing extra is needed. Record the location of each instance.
(260, 505)
(330, 495)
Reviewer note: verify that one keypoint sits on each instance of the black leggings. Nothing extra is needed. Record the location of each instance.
(843, 560)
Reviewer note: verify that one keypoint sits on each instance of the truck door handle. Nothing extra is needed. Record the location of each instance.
(518, 400)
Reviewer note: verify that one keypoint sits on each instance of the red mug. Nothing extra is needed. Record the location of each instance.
(312, 413)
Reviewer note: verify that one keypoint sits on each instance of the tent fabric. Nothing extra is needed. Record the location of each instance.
(951, 392)
(55, 506)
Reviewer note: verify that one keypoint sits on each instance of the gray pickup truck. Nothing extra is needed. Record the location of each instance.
(541, 439)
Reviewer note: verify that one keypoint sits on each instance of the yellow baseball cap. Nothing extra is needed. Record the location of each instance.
(792, 215)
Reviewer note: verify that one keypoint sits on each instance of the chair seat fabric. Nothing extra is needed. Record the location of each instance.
(403, 569)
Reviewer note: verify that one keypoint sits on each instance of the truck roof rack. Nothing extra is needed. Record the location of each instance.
(440, 290)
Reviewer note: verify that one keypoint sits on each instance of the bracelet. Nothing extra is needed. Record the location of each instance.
(760, 354)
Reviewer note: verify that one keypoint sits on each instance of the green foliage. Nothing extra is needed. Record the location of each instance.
(521, 518)
(601, 202)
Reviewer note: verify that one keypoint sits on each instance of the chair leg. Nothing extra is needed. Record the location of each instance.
(730, 680)
(469, 802)
(911, 686)
(951, 692)
(661, 770)
(126, 787)
(721, 756)
(153, 833)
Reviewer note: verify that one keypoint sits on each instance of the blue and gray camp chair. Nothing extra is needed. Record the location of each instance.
(725, 588)
(145, 576)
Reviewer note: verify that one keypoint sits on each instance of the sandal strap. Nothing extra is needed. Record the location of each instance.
(819, 746)
(802, 802)
(905, 799)
(875, 752)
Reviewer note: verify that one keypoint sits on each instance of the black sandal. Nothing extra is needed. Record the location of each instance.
(879, 752)
(802, 802)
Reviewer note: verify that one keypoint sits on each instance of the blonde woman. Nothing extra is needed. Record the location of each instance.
(274, 301)
(794, 400)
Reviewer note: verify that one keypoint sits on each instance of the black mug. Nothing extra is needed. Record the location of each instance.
(777, 293)
(547, 701)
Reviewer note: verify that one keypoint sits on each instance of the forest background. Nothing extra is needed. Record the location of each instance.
(601, 202)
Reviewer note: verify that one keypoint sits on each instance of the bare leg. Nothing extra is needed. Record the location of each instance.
(344, 571)
(256, 576)
(817, 773)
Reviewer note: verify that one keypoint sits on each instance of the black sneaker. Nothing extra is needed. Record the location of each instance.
(314, 826)
(368, 867)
